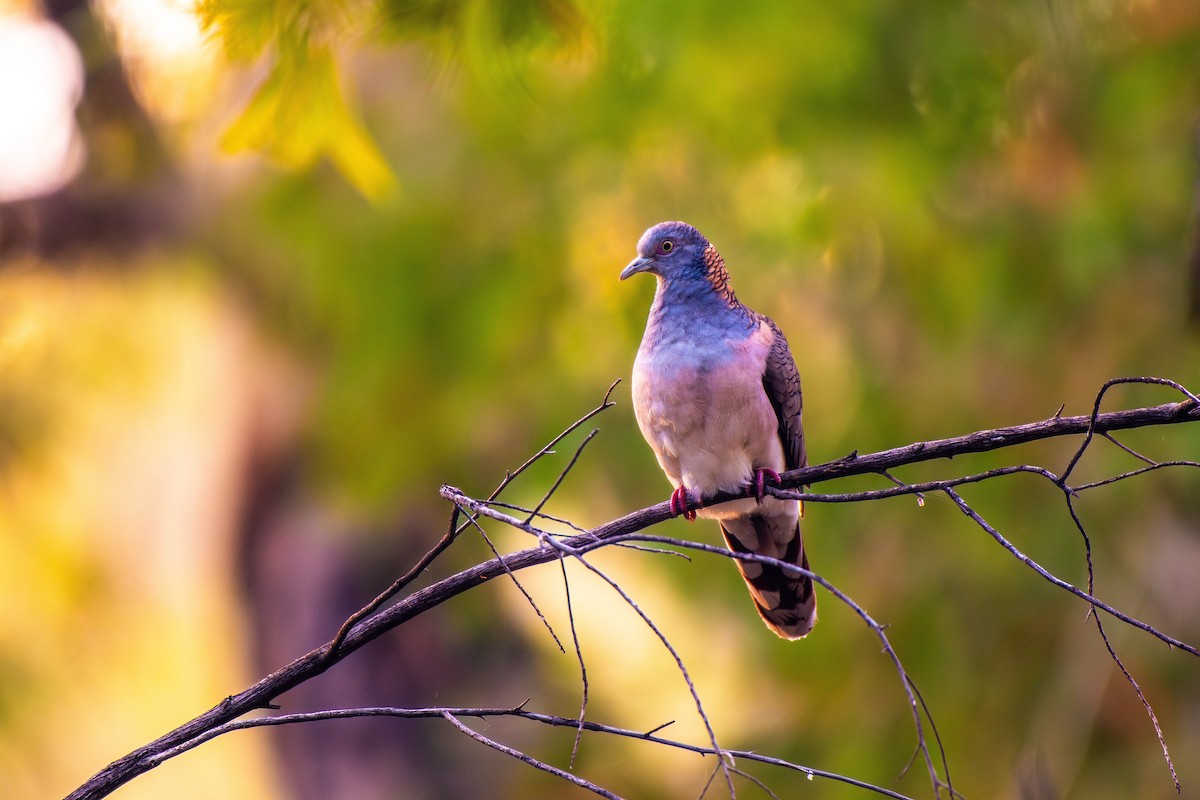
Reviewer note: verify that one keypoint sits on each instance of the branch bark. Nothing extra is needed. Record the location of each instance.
(262, 693)
(553, 720)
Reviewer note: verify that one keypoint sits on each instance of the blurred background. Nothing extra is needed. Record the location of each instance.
(270, 273)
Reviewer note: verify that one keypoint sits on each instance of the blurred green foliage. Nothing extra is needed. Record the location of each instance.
(963, 217)
(962, 214)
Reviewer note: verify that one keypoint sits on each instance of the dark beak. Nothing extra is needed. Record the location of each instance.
(636, 266)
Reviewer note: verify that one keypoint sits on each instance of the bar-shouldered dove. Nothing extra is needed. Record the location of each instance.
(717, 396)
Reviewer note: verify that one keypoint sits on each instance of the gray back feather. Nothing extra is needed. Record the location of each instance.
(781, 381)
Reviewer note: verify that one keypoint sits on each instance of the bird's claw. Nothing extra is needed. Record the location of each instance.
(679, 504)
(761, 476)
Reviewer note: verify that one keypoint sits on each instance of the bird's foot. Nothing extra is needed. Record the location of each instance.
(679, 504)
(761, 477)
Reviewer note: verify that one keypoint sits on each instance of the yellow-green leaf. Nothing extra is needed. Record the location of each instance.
(300, 114)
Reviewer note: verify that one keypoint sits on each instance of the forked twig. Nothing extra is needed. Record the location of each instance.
(424, 562)
(1149, 709)
(473, 520)
(877, 629)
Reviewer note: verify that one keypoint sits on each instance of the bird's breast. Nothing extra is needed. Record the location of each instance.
(702, 407)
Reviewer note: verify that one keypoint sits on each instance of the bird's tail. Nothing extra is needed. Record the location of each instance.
(785, 601)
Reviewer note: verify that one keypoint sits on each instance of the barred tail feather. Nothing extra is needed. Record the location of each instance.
(785, 601)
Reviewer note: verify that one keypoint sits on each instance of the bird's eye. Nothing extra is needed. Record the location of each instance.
(667, 246)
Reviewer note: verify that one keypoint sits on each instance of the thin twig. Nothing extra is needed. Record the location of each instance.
(370, 608)
(1060, 583)
(766, 789)
(583, 676)
(657, 728)
(937, 738)
(657, 550)
(548, 448)
(520, 713)
(712, 776)
(919, 494)
(911, 488)
(1157, 465)
(472, 519)
(528, 759)
(539, 515)
(1162, 741)
(562, 475)
(1127, 448)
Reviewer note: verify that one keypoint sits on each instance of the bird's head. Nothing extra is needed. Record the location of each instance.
(669, 249)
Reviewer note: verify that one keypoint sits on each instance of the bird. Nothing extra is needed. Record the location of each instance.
(716, 395)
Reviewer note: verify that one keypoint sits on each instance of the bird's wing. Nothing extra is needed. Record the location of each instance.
(781, 382)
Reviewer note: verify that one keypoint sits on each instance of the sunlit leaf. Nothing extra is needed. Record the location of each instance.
(300, 114)
(245, 28)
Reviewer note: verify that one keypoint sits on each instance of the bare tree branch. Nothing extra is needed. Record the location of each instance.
(372, 622)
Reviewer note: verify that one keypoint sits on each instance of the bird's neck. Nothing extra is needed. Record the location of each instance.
(691, 302)
(718, 277)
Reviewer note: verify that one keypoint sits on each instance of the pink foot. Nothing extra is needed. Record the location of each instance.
(761, 476)
(679, 504)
